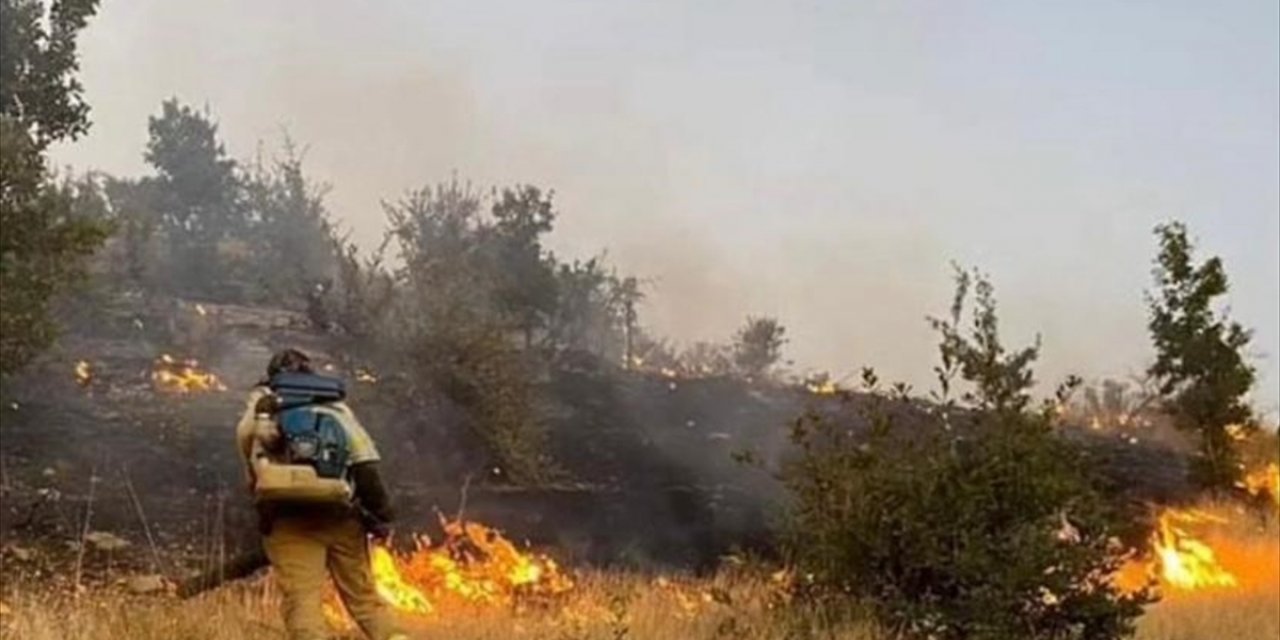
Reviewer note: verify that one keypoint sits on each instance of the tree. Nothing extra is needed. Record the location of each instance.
(199, 195)
(972, 520)
(526, 277)
(624, 296)
(707, 359)
(43, 246)
(1200, 364)
(290, 237)
(39, 89)
(1000, 378)
(453, 330)
(1115, 404)
(758, 345)
(592, 310)
(140, 254)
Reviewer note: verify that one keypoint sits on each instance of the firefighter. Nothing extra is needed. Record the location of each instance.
(312, 531)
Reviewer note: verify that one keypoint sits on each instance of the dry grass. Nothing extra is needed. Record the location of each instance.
(606, 606)
(621, 606)
(603, 606)
(1253, 615)
(1248, 545)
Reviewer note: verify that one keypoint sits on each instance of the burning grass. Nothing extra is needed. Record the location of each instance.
(604, 605)
(1217, 566)
(174, 375)
(1217, 548)
(475, 584)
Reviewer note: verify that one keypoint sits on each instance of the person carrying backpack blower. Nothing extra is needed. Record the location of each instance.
(313, 472)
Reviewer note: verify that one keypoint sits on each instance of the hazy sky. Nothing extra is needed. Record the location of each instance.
(823, 162)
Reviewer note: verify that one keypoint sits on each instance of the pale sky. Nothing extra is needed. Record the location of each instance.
(823, 162)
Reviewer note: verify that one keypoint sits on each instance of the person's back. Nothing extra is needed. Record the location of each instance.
(313, 471)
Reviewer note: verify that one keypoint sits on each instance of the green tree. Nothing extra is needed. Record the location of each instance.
(454, 332)
(39, 89)
(590, 313)
(290, 238)
(43, 245)
(1000, 378)
(968, 520)
(524, 271)
(1200, 364)
(141, 256)
(757, 346)
(199, 197)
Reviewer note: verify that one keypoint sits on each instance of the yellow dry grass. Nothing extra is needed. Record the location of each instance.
(738, 603)
(1247, 545)
(1251, 615)
(606, 606)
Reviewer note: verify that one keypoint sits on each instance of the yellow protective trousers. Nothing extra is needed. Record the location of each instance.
(304, 552)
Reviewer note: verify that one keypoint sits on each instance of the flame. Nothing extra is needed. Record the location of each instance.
(1187, 562)
(393, 588)
(1264, 481)
(689, 600)
(183, 376)
(1179, 560)
(1237, 432)
(365, 375)
(474, 565)
(84, 373)
(823, 388)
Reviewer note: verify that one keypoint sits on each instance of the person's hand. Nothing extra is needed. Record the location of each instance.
(379, 532)
(268, 404)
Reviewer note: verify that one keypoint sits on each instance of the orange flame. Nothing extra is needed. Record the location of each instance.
(393, 588)
(689, 599)
(1264, 481)
(1193, 550)
(822, 388)
(474, 565)
(183, 376)
(84, 373)
(1186, 562)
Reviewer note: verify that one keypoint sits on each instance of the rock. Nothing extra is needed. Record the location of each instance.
(147, 583)
(20, 554)
(104, 541)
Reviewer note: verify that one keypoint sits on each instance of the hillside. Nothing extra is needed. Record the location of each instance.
(649, 475)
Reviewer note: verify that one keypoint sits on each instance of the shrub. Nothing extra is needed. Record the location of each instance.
(965, 518)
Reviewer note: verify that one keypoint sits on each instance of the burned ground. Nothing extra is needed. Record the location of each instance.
(650, 473)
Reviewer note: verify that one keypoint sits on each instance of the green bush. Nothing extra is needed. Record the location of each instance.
(962, 518)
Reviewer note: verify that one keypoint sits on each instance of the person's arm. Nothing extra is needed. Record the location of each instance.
(245, 432)
(370, 493)
(372, 498)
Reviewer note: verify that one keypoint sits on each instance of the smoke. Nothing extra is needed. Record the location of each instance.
(760, 163)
